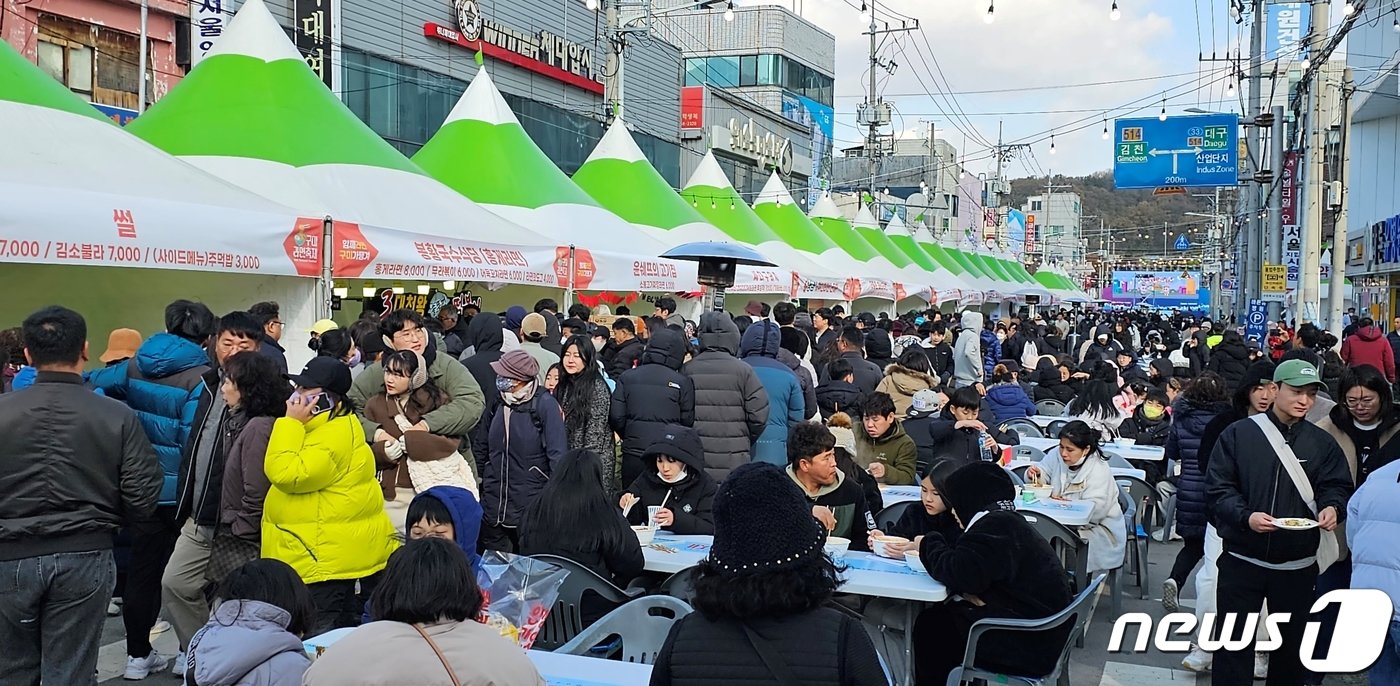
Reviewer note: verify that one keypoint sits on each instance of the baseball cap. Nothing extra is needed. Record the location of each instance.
(1297, 373)
(533, 324)
(923, 403)
(323, 325)
(326, 373)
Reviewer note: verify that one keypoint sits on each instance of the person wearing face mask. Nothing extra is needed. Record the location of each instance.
(324, 514)
(1078, 470)
(413, 459)
(526, 438)
(679, 484)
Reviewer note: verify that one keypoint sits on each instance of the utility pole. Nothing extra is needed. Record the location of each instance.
(1249, 200)
(141, 58)
(1336, 286)
(875, 113)
(1275, 231)
(1309, 295)
(1004, 153)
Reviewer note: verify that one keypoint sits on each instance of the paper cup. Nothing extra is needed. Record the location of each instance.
(645, 534)
(651, 515)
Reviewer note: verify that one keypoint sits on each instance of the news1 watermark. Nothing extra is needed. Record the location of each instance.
(1362, 631)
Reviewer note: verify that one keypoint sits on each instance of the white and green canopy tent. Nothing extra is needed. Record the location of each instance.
(484, 153)
(984, 287)
(1020, 282)
(621, 179)
(710, 192)
(99, 220)
(943, 284)
(874, 275)
(252, 112)
(963, 285)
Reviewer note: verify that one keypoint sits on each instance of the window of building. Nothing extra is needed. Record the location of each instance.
(1054, 231)
(748, 70)
(952, 202)
(695, 71)
(722, 71)
(1036, 206)
(770, 70)
(69, 51)
(405, 105)
(947, 223)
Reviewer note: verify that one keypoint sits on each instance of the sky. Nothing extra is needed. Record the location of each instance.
(1039, 54)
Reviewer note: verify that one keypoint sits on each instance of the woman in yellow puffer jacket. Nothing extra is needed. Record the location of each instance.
(324, 514)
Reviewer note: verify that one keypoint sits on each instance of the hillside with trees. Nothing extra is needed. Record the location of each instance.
(1120, 209)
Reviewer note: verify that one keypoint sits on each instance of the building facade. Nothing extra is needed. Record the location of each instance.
(1055, 226)
(91, 46)
(1373, 202)
(921, 180)
(759, 91)
(399, 66)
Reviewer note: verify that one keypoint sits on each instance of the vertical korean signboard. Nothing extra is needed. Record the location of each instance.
(1292, 232)
(693, 107)
(312, 20)
(207, 22)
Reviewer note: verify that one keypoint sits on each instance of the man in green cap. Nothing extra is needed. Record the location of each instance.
(1277, 487)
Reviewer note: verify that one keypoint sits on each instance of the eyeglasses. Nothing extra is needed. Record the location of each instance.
(406, 334)
(1361, 402)
(276, 322)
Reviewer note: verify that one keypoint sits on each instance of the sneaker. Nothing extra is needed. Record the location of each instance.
(113, 609)
(178, 669)
(138, 668)
(1170, 599)
(1197, 660)
(1261, 665)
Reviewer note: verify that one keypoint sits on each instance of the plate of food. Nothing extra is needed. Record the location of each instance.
(1295, 523)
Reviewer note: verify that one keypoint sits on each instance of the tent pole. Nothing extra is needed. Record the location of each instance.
(327, 270)
(569, 292)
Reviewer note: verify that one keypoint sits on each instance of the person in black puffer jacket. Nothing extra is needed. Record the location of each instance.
(649, 397)
(879, 349)
(676, 476)
(1006, 566)
(1204, 399)
(1229, 359)
(731, 405)
(762, 591)
(839, 393)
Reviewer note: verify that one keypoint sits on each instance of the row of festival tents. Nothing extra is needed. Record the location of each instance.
(252, 166)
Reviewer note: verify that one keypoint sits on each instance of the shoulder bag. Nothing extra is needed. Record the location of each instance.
(1328, 549)
(438, 651)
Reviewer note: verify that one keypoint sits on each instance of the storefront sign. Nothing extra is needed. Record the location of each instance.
(312, 22)
(770, 149)
(1385, 241)
(1274, 282)
(207, 23)
(1288, 189)
(1030, 233)
(693, 107)
(542, 52)
(1293, 253)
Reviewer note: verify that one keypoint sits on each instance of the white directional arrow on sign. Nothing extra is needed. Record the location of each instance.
(1186, 151)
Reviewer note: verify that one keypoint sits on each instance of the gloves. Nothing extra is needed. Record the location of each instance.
(395, 450)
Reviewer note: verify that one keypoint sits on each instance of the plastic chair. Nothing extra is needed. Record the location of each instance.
(1024, 428)
(1050, 407)
(1148, 504)
(1027, 452)
(1076, 615)
(680, 585)
(887, 517)
(642, 625)
(1117, 461)
(1053, 430)
(565, 619)
(1017, 476)
(1073, 551)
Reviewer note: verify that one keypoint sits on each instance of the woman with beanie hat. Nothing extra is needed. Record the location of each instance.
(760, 597)
(1002, 568)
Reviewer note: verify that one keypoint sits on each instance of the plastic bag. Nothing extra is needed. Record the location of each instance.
(520, 591)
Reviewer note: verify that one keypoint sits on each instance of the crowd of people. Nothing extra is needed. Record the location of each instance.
(190, 477)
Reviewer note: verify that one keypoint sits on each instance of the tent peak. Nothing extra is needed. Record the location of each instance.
(826, 209)
(254, 32)
(897, 226)
(709, 173)
(617, 144)
(774, 192)
(482, 102)
(865, 218)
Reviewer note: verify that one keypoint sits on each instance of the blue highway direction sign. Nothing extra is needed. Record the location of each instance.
(1191, 151)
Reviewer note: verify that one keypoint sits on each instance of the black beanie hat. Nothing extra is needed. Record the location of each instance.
(762, 522)
(979, 486)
